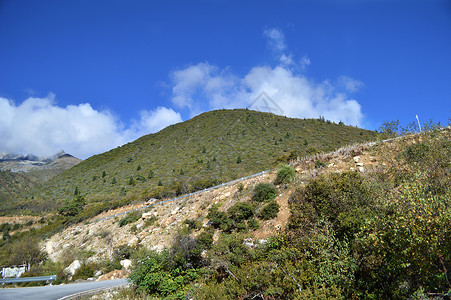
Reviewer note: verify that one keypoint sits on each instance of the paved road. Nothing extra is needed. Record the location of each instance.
(57, 291)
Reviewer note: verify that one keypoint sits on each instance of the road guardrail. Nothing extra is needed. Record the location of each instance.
(27, 279)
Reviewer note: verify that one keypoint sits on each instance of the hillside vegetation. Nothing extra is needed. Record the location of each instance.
(211, 148)
(18, 176)
(381, 233)
(369, 221)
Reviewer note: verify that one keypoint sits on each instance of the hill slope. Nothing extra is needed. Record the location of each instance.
(213, 147)
(21, 173)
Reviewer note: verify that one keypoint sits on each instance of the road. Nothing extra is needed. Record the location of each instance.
(56, 291)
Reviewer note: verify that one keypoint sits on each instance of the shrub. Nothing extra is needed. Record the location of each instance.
(268, 211)
(130, 218)
(219, 219)
(205, 240)
(285, 174)
(253, 224)
(194, 224)
(264, 192)
(84, 272)
(241, 211)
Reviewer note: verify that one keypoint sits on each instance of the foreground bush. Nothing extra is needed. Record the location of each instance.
(285, 174)
(264, 192)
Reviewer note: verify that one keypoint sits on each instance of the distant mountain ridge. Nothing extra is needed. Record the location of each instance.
(214, 147)
(30, 162)
(19, 173)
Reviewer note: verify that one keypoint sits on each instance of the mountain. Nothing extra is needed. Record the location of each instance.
(28, 163)
(213, 147)
(20, 173)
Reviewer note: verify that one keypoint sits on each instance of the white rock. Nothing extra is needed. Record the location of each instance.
(126, 263)
(74, 266)
(361, 169)
(356, 159)
(147, 215)
(359, 165)
(134, 241)
(248, 243)
(98, 273)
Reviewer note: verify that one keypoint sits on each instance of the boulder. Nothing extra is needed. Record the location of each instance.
(74, 266)
(134, 241)
(126, 263)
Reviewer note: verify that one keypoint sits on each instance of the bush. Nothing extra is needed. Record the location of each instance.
(219, 219)
(253, 224)
(84, 272)
(285, 174)
(73, 207)
(241, 211)
(268, 211)
(264, 192)
(130, 218)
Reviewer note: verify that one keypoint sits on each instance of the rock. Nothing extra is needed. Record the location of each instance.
(134, 241)
(248, 243)
(147, 215)
(356, 159)
(126, 263)
(359, 164)
(50, 247)
(98, 273)
(175, 210)
(361, 169)
(74, 266)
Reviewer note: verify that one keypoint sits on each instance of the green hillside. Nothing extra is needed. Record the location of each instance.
(213, 147)
(13, 184)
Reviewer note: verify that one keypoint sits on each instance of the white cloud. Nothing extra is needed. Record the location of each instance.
(41, 127)
(203, 87)
(153, 121)
(296, 95)
(275, 39)
(350, 85)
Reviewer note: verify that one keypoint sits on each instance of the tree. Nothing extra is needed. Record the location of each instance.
(238, 160)
(73, 207)
(390, 128)
(103, 174)
(26, 251)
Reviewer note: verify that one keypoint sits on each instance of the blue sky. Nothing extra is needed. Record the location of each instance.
(87, 76)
